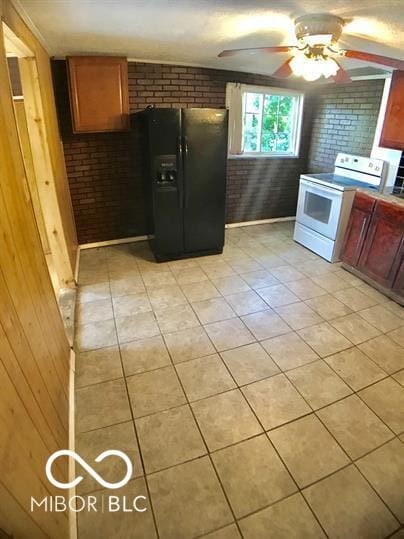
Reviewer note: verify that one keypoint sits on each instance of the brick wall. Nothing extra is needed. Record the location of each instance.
(106, 171)
(344, 120)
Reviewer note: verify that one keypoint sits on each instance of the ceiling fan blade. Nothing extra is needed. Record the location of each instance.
(342, 76)
(284, 71)
(233, 52)
(376, 59)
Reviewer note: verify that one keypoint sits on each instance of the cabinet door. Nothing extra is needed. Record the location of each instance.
(398, 285)
(98, 93)
(357, 228)
(380, 256)
(393, 133)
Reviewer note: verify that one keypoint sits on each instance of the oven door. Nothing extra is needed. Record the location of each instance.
(319, 208)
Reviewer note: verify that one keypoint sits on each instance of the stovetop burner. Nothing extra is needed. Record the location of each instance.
(337, 179)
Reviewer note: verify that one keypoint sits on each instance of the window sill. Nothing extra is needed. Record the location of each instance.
(262, 156)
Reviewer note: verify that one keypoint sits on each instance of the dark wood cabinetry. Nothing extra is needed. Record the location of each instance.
(380, 254)
(398, 285)
(393, 131)
(357, 228)
(98, 88)
(374, 244)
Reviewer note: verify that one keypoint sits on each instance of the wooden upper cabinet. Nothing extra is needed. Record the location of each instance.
(393, 128)
(98, 88)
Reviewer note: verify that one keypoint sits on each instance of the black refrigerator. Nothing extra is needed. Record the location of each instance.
(187, 156)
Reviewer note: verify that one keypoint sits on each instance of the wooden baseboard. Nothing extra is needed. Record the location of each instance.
(144, 238)
(113, 242)
(76, 269)
(261, 222)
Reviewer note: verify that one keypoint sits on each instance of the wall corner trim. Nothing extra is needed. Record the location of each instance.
(72, 462)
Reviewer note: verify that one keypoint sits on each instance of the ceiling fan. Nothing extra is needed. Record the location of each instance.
(317, 52)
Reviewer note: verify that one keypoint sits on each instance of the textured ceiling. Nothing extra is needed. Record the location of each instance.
(194, 32)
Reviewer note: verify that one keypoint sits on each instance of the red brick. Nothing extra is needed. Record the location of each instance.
(108, 192)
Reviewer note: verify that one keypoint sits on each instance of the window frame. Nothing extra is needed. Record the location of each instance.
(296, 126)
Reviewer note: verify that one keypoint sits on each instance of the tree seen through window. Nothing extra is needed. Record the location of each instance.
(268, 122)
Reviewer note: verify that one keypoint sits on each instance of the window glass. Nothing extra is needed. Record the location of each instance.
(252, 122)
(270, 123)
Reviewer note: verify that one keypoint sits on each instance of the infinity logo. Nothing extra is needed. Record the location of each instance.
(89, 469)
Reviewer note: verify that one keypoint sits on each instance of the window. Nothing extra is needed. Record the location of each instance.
(270, 121)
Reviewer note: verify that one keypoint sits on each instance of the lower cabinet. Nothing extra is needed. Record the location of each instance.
(380, 254)
(374, 243)
(357, 228)
(398, 285)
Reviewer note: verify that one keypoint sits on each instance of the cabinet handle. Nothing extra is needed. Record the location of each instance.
(363, 227)
(358, 255)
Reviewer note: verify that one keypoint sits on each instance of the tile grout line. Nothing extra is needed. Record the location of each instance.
(318, 359)
(328, 321)
(314, 411)
(266, 338)
(265, 433)
(203, 438)
(351, 461)
(134, 423)
(357, 392)
(283, 372)
(228, 391)
(354, 392)
(200, 433)
(205, 443)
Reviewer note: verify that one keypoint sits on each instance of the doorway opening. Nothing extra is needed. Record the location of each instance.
(25, 143)
(29, 113)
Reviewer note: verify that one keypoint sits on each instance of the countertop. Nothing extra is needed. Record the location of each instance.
(381, 196)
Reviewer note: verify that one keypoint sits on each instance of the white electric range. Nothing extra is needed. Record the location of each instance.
(325, 202)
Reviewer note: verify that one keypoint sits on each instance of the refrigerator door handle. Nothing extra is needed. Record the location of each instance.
(185, 142)
(180, 173)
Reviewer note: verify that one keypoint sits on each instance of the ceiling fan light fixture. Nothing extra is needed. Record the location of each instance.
(317, 45)
(313, 67)
(319, 24)
(318, 40)
(330, 68)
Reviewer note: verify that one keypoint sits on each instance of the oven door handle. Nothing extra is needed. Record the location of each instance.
(321, 188)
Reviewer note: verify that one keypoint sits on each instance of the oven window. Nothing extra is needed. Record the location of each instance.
(317, 207)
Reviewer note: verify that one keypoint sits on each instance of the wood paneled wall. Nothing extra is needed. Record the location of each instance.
(47, 146)
(21, 120)
(34, 350)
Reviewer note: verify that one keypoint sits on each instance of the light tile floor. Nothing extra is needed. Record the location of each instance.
(259, 393)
